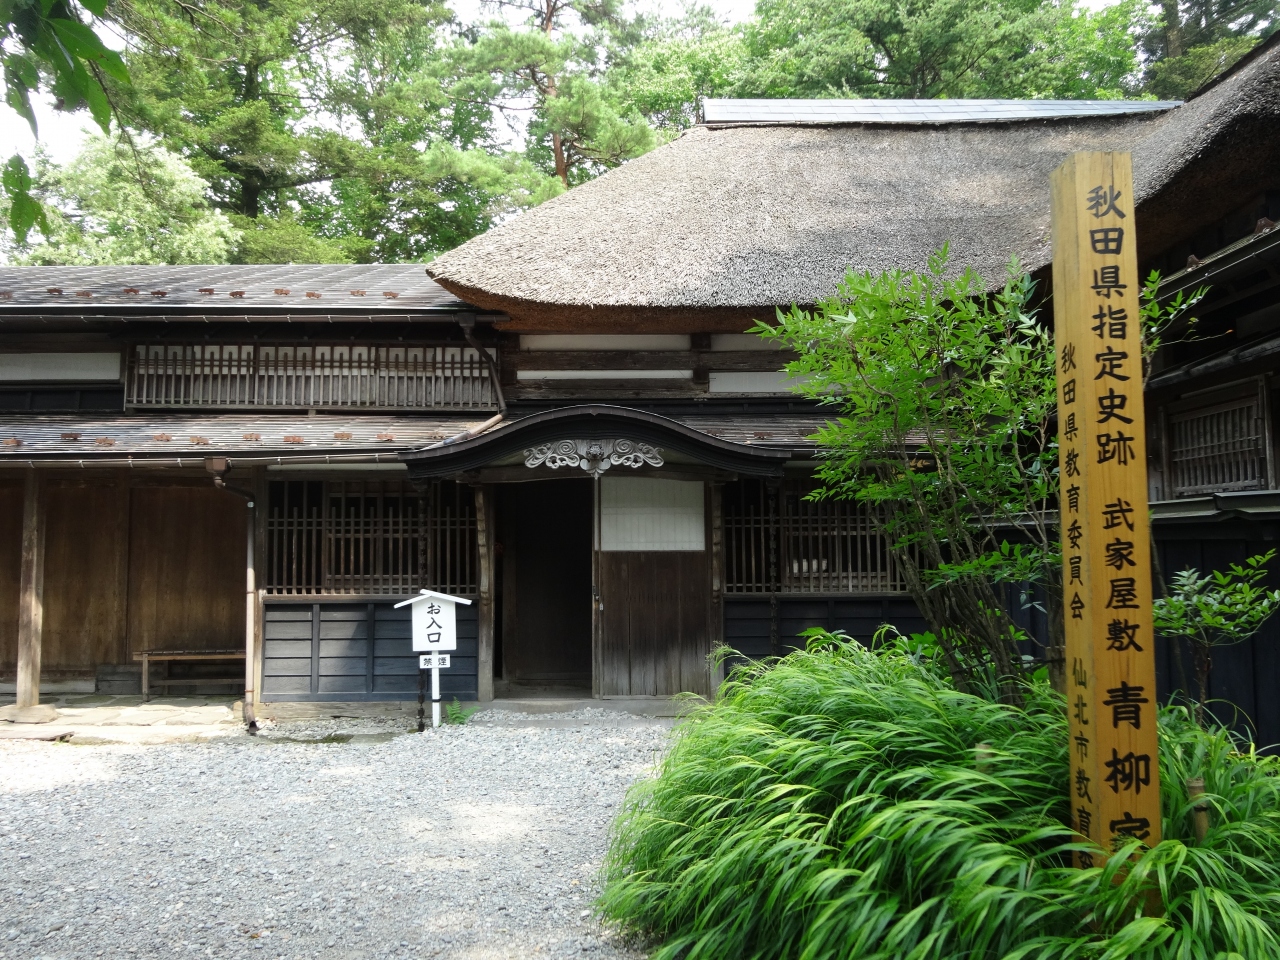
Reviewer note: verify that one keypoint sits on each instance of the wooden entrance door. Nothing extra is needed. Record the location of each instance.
(653, 580)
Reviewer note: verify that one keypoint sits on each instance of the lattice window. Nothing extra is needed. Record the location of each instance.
(369, 538)
(776, 541)
(310, 375)
(1218, 447)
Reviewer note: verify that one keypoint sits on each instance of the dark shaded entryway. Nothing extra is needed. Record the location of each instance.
(544, 529)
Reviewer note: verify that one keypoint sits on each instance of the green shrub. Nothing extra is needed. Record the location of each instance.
(831, 804)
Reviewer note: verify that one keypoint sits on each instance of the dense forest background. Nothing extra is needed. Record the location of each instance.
(336, 131)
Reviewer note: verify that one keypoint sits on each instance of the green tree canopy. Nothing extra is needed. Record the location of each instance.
(1195, 40)
(321, 126)
(120, 202)
(548, 71)
(680, 62)
(938, 48)
(50, 44)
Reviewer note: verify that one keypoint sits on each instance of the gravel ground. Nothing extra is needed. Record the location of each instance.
(338, 838)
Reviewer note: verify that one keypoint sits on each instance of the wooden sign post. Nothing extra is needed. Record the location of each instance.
(1106, 544)
(435, 628)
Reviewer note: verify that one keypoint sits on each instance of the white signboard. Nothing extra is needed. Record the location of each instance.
(435, 628)
(435, 624)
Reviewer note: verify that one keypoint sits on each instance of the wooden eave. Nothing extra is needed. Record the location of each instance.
(588, 421)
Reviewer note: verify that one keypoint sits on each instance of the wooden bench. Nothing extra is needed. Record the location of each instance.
(168, 656)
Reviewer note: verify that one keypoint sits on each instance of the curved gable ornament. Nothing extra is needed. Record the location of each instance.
(593, 456)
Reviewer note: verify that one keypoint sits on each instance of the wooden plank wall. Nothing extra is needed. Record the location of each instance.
(749, 627)
(85, 571)
(321, 651)
(10, 567)
(186, 568)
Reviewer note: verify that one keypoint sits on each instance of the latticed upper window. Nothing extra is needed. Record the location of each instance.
(1219, 442)
(777, 541)
(308, 375)
(369, 538)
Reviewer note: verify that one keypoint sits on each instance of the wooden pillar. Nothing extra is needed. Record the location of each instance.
(31, 604)
(485, 532)
(715, 493)
(250, 619)
(259, 541)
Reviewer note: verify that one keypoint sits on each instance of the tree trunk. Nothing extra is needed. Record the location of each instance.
(250, 198)
(970, 624)
(1203, 666)
(562, 167)
(1172, 29)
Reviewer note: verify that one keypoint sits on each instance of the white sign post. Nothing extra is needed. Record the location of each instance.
(435, 629)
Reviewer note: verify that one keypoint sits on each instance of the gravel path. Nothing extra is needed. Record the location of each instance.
(481, 841)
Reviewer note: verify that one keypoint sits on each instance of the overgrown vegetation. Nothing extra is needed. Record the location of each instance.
(946, 431)
(836, 804)
(946, 428)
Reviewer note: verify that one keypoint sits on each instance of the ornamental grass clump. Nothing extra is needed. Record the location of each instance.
(841, 803)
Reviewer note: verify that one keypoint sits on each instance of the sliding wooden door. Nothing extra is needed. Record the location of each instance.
(653, 584)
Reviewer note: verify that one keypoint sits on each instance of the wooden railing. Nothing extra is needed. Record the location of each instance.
(776, 541)
(339, 538)
(312, 375)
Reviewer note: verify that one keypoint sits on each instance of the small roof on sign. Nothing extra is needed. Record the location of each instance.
(428, 594)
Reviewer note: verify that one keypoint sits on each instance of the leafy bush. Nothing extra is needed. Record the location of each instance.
(836, 803)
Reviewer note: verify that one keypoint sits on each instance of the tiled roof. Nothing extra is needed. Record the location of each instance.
(170, 436)
(918, 111)
(270, 436)
(402, 288)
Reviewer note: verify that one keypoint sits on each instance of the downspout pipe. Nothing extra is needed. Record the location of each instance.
(468, 326)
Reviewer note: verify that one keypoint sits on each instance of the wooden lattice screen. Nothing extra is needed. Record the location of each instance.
(310, 375)
(369, 538)
(1219, 443)
(776, 541)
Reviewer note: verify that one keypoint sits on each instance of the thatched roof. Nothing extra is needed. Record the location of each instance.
(730, 220)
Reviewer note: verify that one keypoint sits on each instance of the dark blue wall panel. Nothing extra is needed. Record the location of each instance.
(356, 651)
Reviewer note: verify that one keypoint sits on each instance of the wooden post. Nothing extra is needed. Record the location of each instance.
(260, 488)
(31, 608)
(250, 619)
(1106, 546)
(716, 496)
(1200, 812)
(485, 532)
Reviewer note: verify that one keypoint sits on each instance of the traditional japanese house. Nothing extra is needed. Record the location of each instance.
(567, 420)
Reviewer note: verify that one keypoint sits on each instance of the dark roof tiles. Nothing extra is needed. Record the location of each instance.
(399, 288)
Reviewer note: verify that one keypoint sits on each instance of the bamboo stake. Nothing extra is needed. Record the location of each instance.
(1200, 812)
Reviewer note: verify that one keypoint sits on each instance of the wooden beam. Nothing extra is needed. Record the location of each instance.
(603, 389)
(485, 533)
(31, 595)
(523, 474)
(770, 361)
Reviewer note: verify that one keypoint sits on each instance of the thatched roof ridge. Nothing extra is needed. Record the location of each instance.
(725, 221)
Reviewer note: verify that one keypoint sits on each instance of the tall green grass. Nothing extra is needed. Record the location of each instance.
(830, 805)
